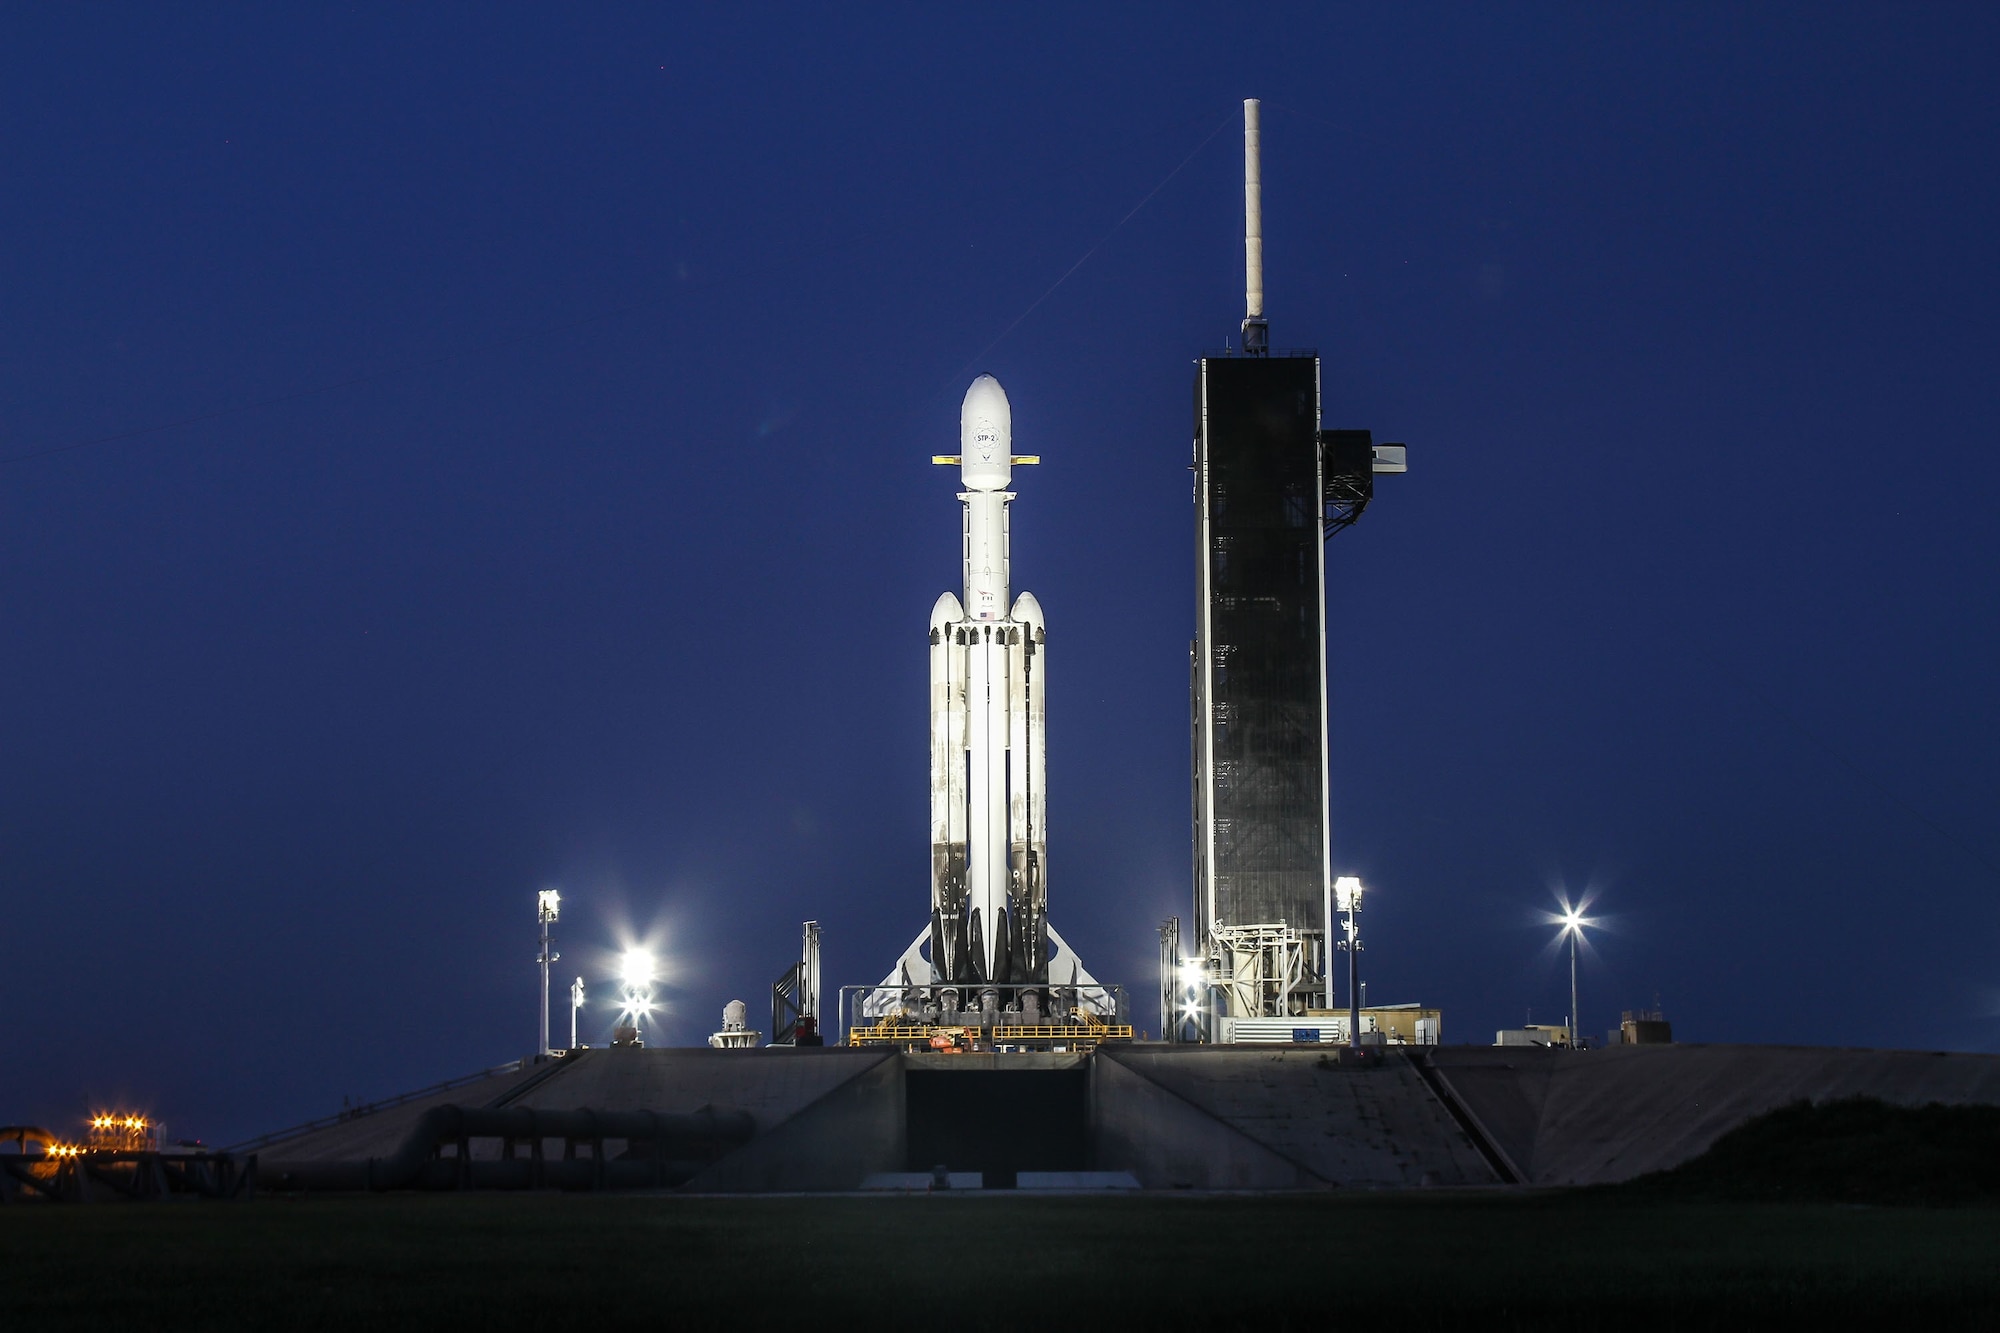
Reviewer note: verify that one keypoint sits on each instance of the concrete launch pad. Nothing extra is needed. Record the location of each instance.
(1180, 1117)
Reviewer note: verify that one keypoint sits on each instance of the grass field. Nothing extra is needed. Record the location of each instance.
(1589, 1259)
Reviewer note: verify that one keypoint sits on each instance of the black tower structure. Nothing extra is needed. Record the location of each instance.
(1261, 853)
(1270, 486)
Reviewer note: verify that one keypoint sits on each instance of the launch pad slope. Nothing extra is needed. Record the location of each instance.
(1176, 1117)
(1597, 1117)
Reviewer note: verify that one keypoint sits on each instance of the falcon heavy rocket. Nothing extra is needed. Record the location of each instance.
(989, 840)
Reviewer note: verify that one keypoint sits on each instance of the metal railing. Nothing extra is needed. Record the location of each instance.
(1065, 1032)
(897, 1032)
(910, 1034)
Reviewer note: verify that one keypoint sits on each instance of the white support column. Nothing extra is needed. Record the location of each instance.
(1253, 208)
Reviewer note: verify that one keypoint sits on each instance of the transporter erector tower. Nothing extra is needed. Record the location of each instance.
(1270, 486)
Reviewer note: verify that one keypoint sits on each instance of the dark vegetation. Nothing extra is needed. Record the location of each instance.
(1857, 1151)
(1761, 1231)
(1490, 1260)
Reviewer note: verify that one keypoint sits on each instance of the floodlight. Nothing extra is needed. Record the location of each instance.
(1573, 922)
(636, 967)
(548, 903)
(1347, 893)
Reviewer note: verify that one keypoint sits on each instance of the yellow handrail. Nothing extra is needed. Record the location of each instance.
(1058, 1032)
(1094, 1030)
(889, 1032)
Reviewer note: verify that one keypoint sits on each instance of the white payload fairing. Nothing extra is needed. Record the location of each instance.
(989, 840)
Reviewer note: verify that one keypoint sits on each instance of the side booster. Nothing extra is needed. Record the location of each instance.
(989, 840)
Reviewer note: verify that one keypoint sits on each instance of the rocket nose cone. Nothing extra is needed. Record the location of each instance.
(986, 394)
(986, 436)
(946, 611)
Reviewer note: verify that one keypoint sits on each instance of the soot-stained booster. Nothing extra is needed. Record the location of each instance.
(989, 959)
(989, 725)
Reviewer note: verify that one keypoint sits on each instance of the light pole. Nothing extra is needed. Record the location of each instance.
(548, 903)
(1347, 898)
(1572, 989)
(1573, 921)
(575, 1008)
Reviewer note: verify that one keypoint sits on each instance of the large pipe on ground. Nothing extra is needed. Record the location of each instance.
(663, 1148)
(23, 1135)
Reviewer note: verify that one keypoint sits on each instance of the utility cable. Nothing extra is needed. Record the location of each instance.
(407, 368)
(1035, 304)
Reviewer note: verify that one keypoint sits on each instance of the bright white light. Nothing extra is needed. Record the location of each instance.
(636, 967)
(548, 902)
(1347, 893)
(1191, 974)
(1572, 920)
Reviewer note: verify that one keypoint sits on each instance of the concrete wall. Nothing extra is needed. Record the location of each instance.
(850, 1132)
(1597, 1117)
(1329, 1123)
(772, 1083)
(1167, 1142)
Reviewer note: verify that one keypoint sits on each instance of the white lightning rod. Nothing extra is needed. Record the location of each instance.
(1256, 336)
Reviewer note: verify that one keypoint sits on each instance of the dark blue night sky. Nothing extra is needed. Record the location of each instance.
(446, 454)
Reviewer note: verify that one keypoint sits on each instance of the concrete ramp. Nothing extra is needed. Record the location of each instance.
(772, 1083)
(1248, 1118)
(1599, 1117)
(379, 1133)
(853, 1129)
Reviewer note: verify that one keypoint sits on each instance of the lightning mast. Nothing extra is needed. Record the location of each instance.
(1271, 484)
